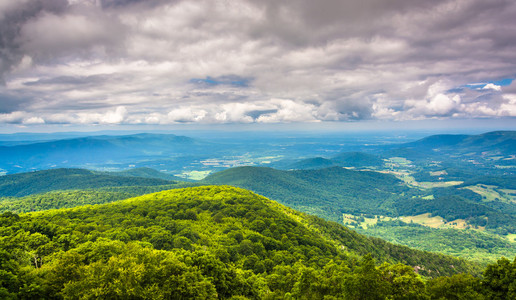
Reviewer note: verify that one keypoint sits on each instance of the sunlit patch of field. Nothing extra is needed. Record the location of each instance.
(195, 175)
(511, 237)
(458, 224)
(356, 221)
(404, 176)
(504, 167)
(424, 219)
(509, 194)
(399, 160)
(496, 157)
(438, 222)
(491, 193)
(429, 185)
(411, 181)
(438, 173)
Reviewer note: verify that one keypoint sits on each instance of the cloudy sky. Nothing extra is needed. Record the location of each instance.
(91, 62)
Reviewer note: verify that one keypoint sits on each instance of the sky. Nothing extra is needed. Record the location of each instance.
(102, 63)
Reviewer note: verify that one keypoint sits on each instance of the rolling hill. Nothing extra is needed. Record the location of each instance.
(332, 192)
(312, 163)
(358, 160)
(439, 147)
(345, 159)
(326, 192)
(206, 242)
(23, 184)
(96, 150)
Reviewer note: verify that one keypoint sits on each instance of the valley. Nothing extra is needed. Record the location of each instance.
(237, 223)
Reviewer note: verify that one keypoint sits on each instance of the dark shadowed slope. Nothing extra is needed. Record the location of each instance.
(24, 184)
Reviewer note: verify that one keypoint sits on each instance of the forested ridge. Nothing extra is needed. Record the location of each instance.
(24, 184)
(214, 242)
(328, 192)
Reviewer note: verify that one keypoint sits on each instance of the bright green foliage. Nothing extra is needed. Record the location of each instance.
(403, 282)
(206, 243)
(73, 198)
(326, 192)
(456, 287)
(500, 279)
(366, 282)
(330, 192)
(112, 269)
(23, 184)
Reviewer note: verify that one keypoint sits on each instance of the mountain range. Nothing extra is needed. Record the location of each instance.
(140, 232)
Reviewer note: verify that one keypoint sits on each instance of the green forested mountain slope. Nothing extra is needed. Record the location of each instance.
(345, 159)
(325, 192)
(73, 198)
(203, 242)
(358, 160)
(24, 184)
(312, 163)
(331, 192)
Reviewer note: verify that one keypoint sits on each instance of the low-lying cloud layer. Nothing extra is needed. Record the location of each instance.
(204, 61)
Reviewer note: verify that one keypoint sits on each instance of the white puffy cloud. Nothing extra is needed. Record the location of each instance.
(492, 86)
(186, 114)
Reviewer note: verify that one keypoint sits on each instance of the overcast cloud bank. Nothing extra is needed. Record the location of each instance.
(166, 62)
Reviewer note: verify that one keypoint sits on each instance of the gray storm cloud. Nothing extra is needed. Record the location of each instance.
(13, 16)
(162, 62)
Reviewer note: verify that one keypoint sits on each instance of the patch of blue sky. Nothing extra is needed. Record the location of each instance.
(231, 80)
(480, 85)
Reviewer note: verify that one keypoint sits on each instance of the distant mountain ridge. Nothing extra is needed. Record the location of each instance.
(325, 192)
(73, 152)
(344, 159)
(24, 184)
(501, 142)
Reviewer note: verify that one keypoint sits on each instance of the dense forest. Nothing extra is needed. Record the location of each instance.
(220, 242)
(23, 184)
(143, 234)
(328, 192)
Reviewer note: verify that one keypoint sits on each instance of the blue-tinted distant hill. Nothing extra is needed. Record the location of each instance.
(345, 159)
(358, 160)
(82, 151)
(312, 163)
(492, 143)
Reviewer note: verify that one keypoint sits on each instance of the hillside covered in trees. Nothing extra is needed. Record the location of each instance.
(23, 184)
(211, 242)
(328, 192)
